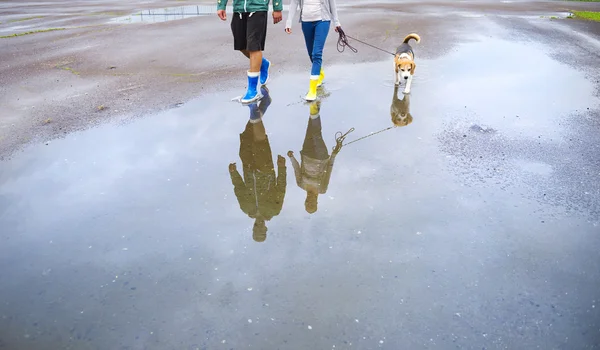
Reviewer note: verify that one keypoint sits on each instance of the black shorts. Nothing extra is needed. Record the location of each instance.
(249, 30)
(255, 155)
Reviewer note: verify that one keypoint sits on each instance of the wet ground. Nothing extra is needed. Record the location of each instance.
(474, 226)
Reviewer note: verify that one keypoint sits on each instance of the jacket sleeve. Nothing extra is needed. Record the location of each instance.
(291, 13)
(241, 192)
(334, 14)
(297, 171)
(221, 4)
(280, 187)
(277, 5)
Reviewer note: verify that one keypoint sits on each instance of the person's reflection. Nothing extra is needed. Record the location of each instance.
(400, 110)
(260, 192)
(315, 171)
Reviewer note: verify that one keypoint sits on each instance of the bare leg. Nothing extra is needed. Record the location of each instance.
(255, 61)
(245, 53)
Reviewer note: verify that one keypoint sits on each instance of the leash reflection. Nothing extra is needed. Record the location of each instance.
(260, 192)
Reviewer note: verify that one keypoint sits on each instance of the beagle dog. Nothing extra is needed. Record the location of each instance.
(404, 61)
(400, 110)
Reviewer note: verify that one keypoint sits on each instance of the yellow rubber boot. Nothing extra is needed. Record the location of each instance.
(321, 78)
(312, 89)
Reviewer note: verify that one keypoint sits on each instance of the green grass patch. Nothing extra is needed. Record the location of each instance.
(113, 13)
(25, 19)
(589, 15)
(69, 69)
(31, 32)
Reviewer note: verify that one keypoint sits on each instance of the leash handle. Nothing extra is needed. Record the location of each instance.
(343, 42)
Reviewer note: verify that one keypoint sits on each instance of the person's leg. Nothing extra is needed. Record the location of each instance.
(255, 61)
(321, 32)
(265, 64)
(239, 28)
(321, 72)
(308, 29)
(257, 36)
(255, 44)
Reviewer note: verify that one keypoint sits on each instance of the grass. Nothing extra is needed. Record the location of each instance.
(113, 13)
(31, 32)
(69, 69)
(25, 19)
(589, 15)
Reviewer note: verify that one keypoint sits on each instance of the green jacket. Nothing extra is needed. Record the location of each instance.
(251, 5)
(259, 193)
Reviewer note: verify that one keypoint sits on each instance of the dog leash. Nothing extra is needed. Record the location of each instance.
(364, 137)
(343, 43)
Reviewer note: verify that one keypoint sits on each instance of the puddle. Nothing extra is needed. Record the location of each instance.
(156, 219)
(171, 14)
(166, 14)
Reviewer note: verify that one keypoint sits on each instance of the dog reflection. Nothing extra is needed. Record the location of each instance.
(400, 109)
(259, 192)
(314, 171)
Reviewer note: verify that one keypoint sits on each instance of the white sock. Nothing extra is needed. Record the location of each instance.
(253, 74)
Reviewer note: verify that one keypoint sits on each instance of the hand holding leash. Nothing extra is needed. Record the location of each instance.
(343, 41)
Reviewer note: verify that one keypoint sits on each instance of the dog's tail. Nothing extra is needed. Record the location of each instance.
(412, 36)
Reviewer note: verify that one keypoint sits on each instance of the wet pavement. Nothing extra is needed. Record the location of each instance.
(472, 225)
(462, 216)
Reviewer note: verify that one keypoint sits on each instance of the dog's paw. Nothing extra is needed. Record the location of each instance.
(397, 83)
(406, 92)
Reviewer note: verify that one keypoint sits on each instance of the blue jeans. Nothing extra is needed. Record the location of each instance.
(315, 34)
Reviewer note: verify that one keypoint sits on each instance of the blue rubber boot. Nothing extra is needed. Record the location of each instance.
(252, 94)
(264, 71)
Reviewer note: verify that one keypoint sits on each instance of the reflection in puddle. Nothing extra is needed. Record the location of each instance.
(316, 164)
(400, 109)
(158, 186)
(167, 14)
(260, 192)
(171, 14)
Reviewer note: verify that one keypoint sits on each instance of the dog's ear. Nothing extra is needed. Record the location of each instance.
(413, 66)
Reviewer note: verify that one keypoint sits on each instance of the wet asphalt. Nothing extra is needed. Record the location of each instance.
(472, 224)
